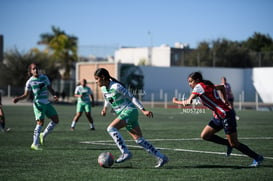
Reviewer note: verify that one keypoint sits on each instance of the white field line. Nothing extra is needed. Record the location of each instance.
(111, 143)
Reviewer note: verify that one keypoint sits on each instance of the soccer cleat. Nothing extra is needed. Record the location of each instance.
(41, 138)
(72, 128)
(35, 147)
(229, 150)
(162, 161)
(92, 129)
(124, 157)
(257, 162)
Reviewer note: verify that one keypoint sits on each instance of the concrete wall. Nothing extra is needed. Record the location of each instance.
(172, 81)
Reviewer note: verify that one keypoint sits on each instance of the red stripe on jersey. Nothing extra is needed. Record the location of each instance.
(211, 99)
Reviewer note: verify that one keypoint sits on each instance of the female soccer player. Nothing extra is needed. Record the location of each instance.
(125, 105)
(39, 84)
(84, 103)
(224, 116)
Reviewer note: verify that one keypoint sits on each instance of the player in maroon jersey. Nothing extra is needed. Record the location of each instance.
(223, 115)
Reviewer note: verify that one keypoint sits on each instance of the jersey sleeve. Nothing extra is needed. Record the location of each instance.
(127, 94)
(198, 90)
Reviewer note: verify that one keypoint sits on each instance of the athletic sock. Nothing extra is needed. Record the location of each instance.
(91, 125)
(73, 124)
(247, 151)
(114, 133)
(2, 125)
(218, 140)
(149, 147)
(36, 134)
(49, 128)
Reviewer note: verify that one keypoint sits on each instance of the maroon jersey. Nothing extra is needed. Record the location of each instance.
(211, 99)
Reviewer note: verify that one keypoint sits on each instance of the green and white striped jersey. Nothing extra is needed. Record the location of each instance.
(85, 92)
(38, 85)
(119, 97)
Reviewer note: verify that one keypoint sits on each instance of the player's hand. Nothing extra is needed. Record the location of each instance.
(175, 100)
(103, 112)
(15, 100)
(149, 114)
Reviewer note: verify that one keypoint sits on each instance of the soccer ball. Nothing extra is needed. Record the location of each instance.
(106, 159)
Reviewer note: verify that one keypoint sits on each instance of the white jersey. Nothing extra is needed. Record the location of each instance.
(38, 85)
(85, 92)
(119, 97)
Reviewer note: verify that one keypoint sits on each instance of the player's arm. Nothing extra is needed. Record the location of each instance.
(23, 96)
(52, 92)
(92, 99)
(222, 90)
(185, 102)
(104, 109)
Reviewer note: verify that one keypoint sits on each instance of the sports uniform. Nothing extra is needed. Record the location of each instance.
(123, 103)
(42, 106)
(224, 117)
(84, 102)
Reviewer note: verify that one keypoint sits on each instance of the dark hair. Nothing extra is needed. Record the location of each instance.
(197, 76)
(102, 72)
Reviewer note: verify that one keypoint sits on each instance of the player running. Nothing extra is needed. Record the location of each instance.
(39, 84)
(125, 105)
(223, 116)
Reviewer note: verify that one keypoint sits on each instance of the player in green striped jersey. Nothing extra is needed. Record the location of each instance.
(39, 85)
(126, 106)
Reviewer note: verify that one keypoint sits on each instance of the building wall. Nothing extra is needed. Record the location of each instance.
(172, 81)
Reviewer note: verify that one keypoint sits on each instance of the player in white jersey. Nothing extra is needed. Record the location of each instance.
(39, 85)
(126, 106)
(84, 103)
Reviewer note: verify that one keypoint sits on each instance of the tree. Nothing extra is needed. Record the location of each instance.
(14, 70)
(62, 47)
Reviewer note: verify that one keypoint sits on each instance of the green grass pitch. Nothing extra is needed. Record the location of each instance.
(71, 155)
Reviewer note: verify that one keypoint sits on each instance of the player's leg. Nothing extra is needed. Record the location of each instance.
(89, 116)
(75, 120)
(79, 110)
(113, 130)
(233, 140)
(52, 114)
(39, 117)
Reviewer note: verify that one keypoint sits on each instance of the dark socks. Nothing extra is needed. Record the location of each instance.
(218, 140)
(247, 151)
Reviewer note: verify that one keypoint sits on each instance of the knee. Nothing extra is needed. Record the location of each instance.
(111, 129)
(205, 136)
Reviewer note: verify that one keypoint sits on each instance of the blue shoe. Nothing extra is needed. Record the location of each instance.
(257, 162)
(229, 150)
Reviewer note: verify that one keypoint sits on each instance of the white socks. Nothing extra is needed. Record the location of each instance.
(114, 133)
(149, 147)
(36, 134)
(49, 128)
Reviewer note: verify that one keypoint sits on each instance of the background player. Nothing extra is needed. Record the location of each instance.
(84, 103)
(39, 84)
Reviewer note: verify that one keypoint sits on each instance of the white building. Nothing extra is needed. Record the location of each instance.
(163, 56)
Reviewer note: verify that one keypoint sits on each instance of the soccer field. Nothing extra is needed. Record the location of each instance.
(72, 155)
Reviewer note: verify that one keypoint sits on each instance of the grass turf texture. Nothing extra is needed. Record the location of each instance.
(65, 157)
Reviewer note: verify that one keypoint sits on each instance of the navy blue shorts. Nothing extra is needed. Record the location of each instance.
(228, 123)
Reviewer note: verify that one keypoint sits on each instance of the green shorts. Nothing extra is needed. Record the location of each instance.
(82, 106)
(42, 110)
(130, 115)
